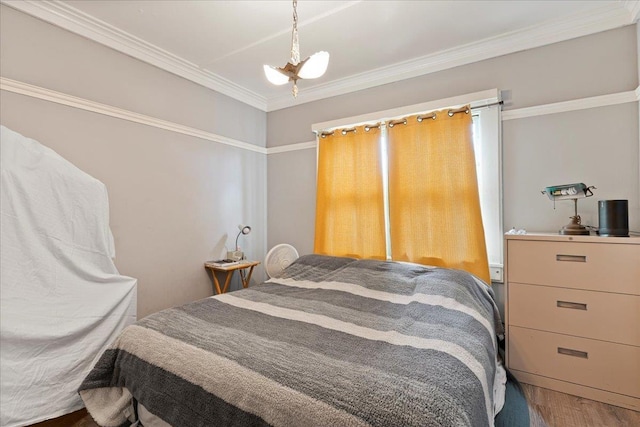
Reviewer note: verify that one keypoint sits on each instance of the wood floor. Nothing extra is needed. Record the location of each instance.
(554, 409)
(76, 419)
(548, 408)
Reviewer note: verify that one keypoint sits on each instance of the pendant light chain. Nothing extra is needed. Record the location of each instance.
(295, 44)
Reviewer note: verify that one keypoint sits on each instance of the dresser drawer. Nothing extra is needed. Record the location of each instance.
(597, 364)
(593, 266)
(588, 314)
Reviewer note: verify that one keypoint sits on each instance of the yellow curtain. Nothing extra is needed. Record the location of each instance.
(434, 205)
(349, 201)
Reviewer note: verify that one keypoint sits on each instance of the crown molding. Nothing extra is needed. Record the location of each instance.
(85, 25)
(600, 19)
(607, 17)
(44, 94)
(633, 6)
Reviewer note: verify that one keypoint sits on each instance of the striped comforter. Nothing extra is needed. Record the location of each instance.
(335, 342)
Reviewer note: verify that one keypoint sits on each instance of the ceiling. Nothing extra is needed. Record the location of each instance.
(223, 44)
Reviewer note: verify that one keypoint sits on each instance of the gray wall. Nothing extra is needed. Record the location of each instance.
(175, 200)
(598, 146)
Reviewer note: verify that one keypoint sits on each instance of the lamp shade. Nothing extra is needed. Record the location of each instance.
(311, 68)
(274, 76)
(315, 66)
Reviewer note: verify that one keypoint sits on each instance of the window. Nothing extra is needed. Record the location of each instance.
(488, 152)
(488, 149)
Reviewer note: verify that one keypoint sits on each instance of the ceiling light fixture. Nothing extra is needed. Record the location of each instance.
(311, 68)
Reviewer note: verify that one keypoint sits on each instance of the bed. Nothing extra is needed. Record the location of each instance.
(333, 342)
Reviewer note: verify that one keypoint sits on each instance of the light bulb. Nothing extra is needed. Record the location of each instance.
(275, 76)
(315, 66)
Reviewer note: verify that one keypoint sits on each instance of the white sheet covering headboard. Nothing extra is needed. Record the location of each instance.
(62, 300)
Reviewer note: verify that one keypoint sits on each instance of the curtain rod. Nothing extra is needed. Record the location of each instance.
(475, 99)
(477, 107)
(393, 122)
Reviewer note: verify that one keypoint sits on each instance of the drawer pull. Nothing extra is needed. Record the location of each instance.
(574, 353)
(571, 258)
(572, 305)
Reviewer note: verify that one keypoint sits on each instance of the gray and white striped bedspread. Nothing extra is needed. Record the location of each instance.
(336, 342)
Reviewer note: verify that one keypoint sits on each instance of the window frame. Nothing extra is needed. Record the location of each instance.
(489, 173)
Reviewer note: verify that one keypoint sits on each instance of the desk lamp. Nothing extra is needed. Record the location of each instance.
(570, 192)
(237, 254)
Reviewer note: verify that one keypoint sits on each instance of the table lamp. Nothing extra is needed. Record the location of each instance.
(570, 192)
(237, 254)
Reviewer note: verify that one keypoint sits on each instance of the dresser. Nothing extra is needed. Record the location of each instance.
(572, 315)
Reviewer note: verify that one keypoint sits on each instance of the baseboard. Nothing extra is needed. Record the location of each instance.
(615, 399)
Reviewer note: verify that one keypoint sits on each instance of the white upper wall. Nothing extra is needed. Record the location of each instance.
(175, 200)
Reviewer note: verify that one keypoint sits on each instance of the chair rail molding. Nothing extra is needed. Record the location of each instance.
(573, 105)
(44, 94)
(519, 113)
(38, 92)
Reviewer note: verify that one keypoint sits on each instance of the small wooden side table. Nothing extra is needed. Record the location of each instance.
(241, 266)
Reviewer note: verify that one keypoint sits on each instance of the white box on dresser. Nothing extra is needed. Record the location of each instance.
(572, 315)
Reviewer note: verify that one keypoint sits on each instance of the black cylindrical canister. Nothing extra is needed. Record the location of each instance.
(613, 217)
